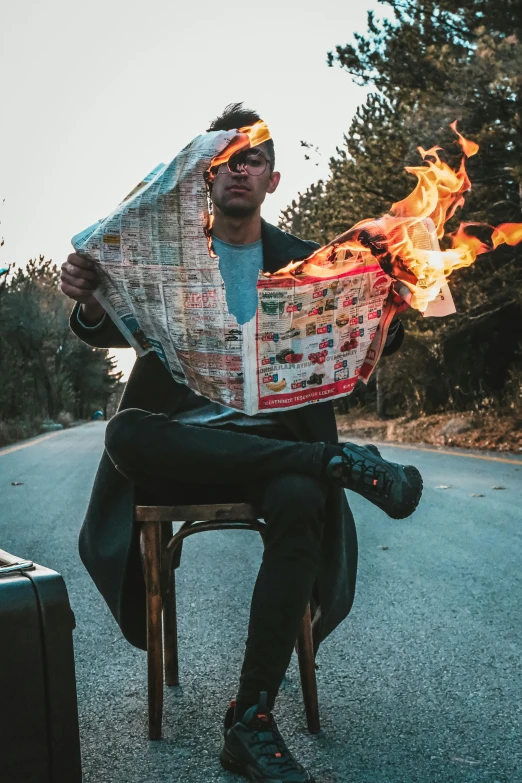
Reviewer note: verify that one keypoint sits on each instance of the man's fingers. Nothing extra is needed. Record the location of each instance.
(375, 241)
(74, 274)
(74, 270)
(368, 234)
(78, 282)
(79, 260)
(78, 294)
(79, 278)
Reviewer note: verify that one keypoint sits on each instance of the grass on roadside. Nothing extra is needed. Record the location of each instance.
(470, 429)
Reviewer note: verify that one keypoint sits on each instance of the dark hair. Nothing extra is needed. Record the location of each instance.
(235, 115)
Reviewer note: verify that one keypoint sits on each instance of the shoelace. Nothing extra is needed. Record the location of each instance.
(273, 749)
(360, 470)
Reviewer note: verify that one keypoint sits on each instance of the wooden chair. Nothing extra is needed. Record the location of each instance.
(158, 548)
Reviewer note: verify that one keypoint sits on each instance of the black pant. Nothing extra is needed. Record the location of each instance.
(283, 479)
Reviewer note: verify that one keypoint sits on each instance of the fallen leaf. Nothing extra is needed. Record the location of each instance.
(17, 483)
(497, 487)
(476, 495)
(443, 486)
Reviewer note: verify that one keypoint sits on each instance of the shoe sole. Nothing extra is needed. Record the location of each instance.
(232, 764)
(412, 495)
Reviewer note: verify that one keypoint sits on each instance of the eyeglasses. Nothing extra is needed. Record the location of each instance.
(248, 162)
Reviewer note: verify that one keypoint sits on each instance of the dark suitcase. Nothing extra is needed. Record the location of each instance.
(39, 739)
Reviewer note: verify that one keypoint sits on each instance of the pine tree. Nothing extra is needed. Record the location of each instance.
(45, 369)
(432, 63)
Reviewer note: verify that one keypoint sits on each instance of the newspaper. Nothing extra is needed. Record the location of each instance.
(318, 328)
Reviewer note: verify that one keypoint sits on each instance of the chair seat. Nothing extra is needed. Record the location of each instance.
(204, 513)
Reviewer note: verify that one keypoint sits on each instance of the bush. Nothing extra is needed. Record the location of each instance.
(64, 418)
(13, 431)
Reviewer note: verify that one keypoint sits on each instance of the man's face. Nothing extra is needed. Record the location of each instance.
(240, 192)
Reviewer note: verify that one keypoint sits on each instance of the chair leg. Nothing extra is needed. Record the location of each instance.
(170, 630)
(305, 652)
(151, 558)
(170, 625)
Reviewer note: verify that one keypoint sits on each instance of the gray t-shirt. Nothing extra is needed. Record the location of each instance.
(239, 266)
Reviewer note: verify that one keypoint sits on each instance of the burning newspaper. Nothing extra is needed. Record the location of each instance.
(320, 324)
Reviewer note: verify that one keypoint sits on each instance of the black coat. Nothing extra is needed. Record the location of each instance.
(109, 537)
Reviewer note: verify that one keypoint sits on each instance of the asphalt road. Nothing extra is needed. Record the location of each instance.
(422, 683)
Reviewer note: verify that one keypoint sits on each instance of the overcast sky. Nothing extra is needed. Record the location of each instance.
(94, 95)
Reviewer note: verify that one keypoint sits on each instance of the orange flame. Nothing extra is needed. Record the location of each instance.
(289, 269)
(468, 246)
(438, 193)
(469, 148)
(405, 241)
(510, 233)
(208, 234)
(249, 136)
(257, 133)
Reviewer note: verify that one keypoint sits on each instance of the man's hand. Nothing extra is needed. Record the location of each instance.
(396, 299)
(79, 280)
(372, 235)
(369, 233)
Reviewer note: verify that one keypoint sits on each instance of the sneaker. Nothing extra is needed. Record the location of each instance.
(394, 488)
(254, 748)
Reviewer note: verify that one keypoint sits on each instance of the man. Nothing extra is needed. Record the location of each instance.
(169, 445)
